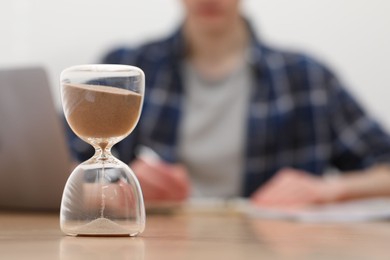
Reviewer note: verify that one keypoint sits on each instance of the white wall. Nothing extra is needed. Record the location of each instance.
(351, 36)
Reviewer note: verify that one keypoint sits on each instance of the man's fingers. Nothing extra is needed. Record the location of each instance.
(160, 181)
(289, 188)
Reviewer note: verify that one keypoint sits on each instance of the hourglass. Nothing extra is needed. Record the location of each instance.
(102, 105)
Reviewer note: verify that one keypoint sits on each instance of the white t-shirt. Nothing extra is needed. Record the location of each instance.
(213, 129)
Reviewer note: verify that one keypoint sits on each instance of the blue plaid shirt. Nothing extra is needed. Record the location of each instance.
(299, 114)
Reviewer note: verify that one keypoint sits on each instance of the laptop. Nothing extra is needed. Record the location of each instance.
(35, 161)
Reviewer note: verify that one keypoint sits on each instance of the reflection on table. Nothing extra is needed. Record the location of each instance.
(196, 236)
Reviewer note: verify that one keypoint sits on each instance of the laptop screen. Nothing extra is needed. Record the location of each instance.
(34, 157)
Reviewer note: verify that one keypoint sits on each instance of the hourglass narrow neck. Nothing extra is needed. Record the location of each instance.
(103, 149)
(103, 152)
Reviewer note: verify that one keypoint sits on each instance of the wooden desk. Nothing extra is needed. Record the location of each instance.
(205, 236)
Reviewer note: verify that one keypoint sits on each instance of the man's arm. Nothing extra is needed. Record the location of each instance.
(296, 188)
(360, 149)
(372, 182)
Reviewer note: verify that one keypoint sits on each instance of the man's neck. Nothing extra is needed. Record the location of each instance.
(216, 44)
(217, 52)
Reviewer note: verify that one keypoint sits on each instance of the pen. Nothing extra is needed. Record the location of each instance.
(147, 154)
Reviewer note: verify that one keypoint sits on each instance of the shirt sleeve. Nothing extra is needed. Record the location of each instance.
(116, 56)
(80, 150)
(358, 140)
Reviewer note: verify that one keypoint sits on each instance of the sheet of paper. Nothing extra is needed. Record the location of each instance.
(216, 206)
(351, 211)
(357, 210)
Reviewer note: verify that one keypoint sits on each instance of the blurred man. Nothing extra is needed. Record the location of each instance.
(230, 116)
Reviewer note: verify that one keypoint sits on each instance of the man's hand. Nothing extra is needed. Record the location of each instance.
(161, 181)
(292, 188)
